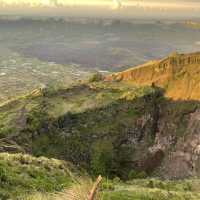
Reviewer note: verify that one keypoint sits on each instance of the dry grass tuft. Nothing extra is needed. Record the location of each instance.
(38, 196)
(81, 191)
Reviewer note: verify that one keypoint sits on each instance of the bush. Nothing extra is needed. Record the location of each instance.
(161, 185)
(96, 77)
(188, 187)
(3, 177)
(136, 175)
(151, 184)
(116, 180)
(142, 175)
(4, 196)
(107, 185)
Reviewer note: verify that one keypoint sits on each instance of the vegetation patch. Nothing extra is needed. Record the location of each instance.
(23, 174)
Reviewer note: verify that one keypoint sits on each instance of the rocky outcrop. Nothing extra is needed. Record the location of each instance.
(184, 160)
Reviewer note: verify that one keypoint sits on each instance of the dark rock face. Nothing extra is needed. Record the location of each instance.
(183, 161)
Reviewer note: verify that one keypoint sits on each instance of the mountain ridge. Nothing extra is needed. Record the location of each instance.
(177, 74)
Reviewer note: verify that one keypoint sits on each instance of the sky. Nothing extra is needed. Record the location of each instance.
(111, 3)
(104, 8)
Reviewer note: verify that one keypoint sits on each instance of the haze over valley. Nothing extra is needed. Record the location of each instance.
(39, 51)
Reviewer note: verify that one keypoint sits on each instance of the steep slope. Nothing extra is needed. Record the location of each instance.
(114, 126)
(22, 175)
(178, 74)
(107, 128)
(80, 123)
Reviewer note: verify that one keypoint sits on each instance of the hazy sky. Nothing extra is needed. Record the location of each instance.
(121, 8)
(98, 2)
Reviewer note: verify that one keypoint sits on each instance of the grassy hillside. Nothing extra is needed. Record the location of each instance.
(109, 128)
(21, 175)
(79, 123)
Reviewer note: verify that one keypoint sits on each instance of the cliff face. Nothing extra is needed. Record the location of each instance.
(178, 75)
(184, 161)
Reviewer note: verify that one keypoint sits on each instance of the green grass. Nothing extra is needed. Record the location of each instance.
(154, 189)
(138, 189)
(23, 174)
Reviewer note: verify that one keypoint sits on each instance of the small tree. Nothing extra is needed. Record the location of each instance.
(133, 174)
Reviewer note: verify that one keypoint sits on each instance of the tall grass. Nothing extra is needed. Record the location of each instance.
(38, 196)
(85, 189)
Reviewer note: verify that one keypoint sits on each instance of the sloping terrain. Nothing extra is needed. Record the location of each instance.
(122, 125)
(178, 75)
(109, 128)
(22, 175)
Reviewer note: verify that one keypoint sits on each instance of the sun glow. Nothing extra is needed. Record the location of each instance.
(54, 2)
(113, 4)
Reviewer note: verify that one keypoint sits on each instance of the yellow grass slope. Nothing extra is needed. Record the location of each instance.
(178, 74)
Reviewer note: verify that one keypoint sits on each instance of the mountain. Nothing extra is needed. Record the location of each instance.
(145, 120)
(177, 74)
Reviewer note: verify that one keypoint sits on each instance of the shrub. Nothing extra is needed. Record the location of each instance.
(4, 196)
(107, 185)
(136, 175)
(142, 175)
(151, 184)
(188, 187)
(161, 185)
(3, 176)
(96, 77)
(116, 180)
